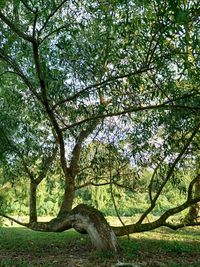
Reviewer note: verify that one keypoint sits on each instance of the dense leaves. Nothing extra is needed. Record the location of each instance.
(114, 85)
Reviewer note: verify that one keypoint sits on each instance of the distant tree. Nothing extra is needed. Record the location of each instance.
(76, 71)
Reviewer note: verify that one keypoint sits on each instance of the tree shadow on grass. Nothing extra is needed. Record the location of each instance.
(23, 247)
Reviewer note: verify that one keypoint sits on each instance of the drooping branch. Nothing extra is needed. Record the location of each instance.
(169, 174)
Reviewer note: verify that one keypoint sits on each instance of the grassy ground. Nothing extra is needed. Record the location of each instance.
(23, 247)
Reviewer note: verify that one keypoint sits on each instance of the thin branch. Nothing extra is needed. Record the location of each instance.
(48, 162)
(162, 91)
(17, 70)
(54, 31)
(16, 29)
(34, 24)
(28, 7)
(190, 188)
(169, 174)
(184, 96)
(51, 15)
(152, 178)
(13, 219)
(112, 194)
(106, 183)
(45, 102)
(30, 175)
(97, 85)
(129, 110)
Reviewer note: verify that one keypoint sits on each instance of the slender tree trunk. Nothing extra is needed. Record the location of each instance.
(33, 202)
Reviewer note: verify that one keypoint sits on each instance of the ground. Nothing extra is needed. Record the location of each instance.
(163, 247)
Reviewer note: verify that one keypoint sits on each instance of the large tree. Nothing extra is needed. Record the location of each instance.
(120, 72)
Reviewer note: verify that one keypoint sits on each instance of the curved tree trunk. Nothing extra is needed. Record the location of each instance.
(84, 219)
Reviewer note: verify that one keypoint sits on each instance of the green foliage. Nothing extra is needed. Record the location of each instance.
(115, 85)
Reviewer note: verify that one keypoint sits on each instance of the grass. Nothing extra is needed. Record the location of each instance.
(22, 247)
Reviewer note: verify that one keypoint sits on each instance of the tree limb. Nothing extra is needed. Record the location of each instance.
(129, 110)
(47, 164)
(97, 85)
(13, 219)
(28, 7)
(169, 174)
(51, 15)
(15, 29)
(17, 70)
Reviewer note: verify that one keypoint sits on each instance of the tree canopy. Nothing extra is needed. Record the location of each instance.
(97, 92)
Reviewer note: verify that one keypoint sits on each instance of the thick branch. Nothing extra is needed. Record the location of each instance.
(136, 228)
(181, 225)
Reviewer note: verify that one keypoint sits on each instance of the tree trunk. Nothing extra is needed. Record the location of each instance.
(84, 219)
(68, 197)
(33, 202)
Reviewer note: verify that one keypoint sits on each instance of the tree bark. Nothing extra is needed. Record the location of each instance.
(84, 219)
(33, 202)
(68, 197)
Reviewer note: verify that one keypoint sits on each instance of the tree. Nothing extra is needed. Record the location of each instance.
(81, 69)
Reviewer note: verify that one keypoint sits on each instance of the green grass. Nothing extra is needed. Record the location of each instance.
(23, 247)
